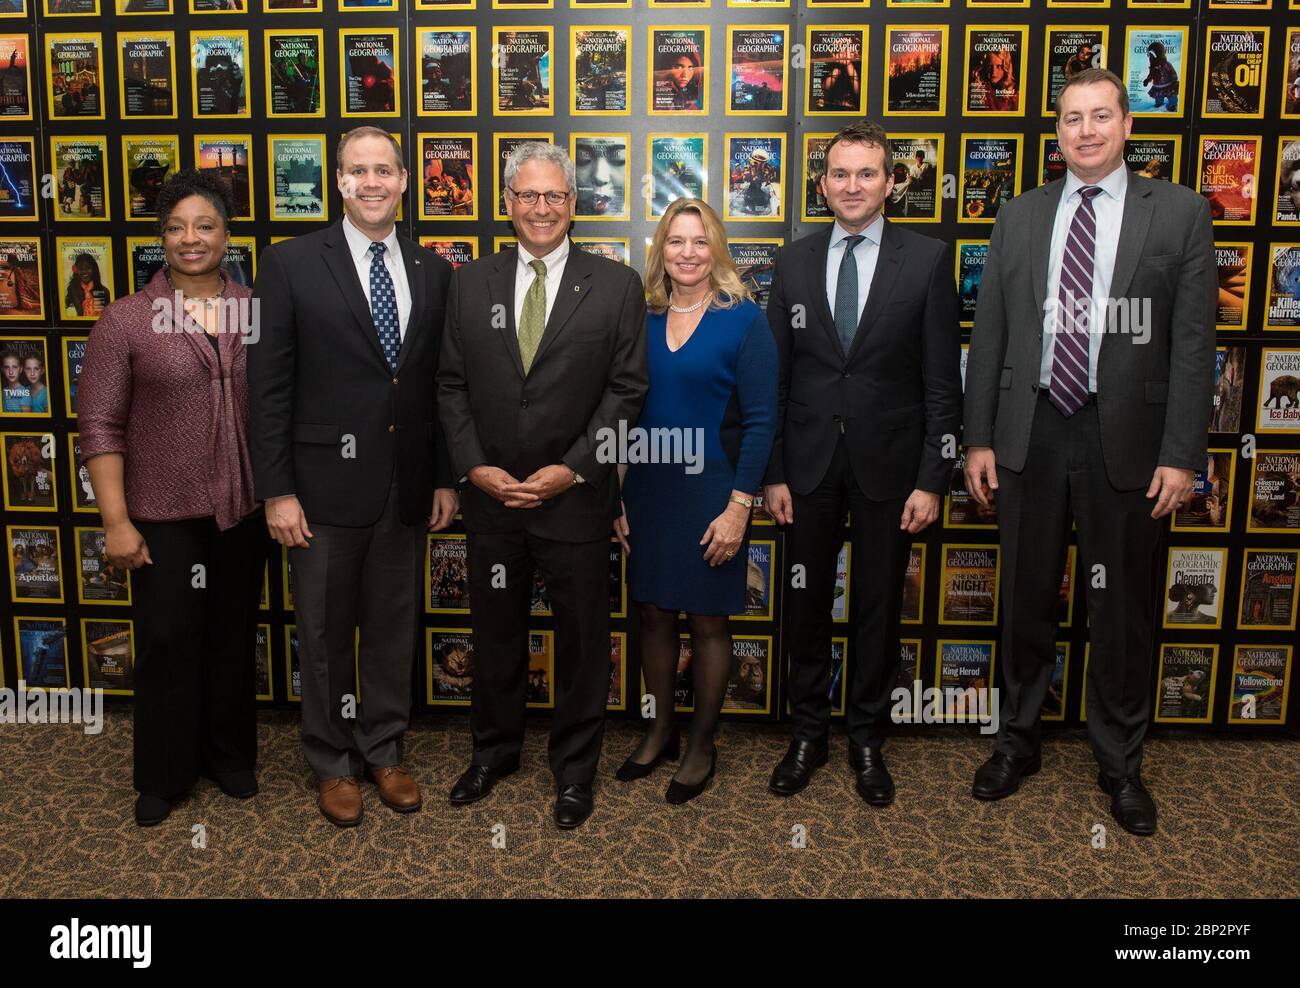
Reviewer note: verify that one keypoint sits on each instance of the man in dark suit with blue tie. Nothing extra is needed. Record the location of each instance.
(348, 454)
(866, 322)
(1088, 399)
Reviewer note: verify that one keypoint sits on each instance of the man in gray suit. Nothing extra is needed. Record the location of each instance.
(348, 455)
(1088, 397)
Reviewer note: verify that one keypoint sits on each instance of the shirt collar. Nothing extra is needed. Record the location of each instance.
(873, 231)
(553, 260)
(1114, 185)
(359, 243)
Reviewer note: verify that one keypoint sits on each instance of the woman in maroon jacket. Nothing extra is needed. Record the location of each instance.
(163, 406)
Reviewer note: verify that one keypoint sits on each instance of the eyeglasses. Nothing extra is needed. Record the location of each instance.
(530, 197)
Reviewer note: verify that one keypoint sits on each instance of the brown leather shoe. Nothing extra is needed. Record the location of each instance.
(396, 788)
(340, 801)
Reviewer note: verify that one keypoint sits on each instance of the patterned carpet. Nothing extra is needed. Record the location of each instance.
(1230, 825)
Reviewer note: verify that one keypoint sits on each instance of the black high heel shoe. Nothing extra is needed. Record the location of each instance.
(678, 793)
(670, 752)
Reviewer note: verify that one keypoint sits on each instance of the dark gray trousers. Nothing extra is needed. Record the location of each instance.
(350, 580)
(1064, 477)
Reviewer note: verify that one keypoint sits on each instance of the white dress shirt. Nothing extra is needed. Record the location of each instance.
(864, 253)
(359, 245)
(1109, 209)
(524, 276)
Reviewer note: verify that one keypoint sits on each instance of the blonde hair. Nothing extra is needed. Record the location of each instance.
(724, 277)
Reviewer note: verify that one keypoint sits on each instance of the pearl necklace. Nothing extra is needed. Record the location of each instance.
(690, 308)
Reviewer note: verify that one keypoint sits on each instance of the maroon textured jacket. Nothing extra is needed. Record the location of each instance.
(160, 399)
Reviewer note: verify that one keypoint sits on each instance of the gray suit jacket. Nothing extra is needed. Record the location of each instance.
(1154, 381)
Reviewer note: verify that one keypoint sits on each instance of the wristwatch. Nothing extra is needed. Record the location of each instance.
(748, 502)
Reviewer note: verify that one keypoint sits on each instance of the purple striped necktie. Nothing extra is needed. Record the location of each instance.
(1069, 390)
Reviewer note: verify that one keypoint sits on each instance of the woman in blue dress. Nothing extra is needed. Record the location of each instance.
(711, 414)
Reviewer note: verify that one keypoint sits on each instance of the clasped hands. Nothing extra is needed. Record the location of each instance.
(539, 486)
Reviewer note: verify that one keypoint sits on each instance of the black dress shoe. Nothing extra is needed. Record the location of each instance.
(678, 793)
(795, 770)
(1001, 775)
(151, 810)
(573, 804)
(477, 781)
(874, 782)
(1130, 803)
(237, 785)
(670, 752)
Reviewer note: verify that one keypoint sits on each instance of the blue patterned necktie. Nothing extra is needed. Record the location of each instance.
(1070, 353)
(383, 304)
(846, 294)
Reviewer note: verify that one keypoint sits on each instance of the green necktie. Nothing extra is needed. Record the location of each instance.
(532, 323)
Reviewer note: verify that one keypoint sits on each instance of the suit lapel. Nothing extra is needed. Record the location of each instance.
(574, 287)
(1132, 234)
(816, 276)
(339, 261)
(415, 284)
(501, 292)
(1043, 219)
(1133, 229)
(883, 280)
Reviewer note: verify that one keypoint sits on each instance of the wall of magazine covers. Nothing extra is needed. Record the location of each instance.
(727, 99)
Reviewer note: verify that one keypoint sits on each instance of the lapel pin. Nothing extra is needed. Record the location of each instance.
(577, 288)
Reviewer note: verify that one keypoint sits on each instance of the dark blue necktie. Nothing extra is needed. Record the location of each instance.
(846, 294)
(383, 304)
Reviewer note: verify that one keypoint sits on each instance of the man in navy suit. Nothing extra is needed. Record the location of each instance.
(866, 321)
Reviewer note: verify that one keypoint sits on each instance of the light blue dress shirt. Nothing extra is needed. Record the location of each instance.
(864, 253)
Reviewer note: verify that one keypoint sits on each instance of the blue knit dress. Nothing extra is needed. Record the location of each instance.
(715, 397)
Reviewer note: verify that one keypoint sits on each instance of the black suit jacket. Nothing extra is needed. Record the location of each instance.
(1154, 381)
(328, 421)
(896, 396)
(590, 372)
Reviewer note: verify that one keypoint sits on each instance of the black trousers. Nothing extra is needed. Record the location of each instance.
(195, 637)
(878, 563)
(501, 567)
(357, 600)
(1119, 543)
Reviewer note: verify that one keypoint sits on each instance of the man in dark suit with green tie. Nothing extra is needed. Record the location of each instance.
(544, 348)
